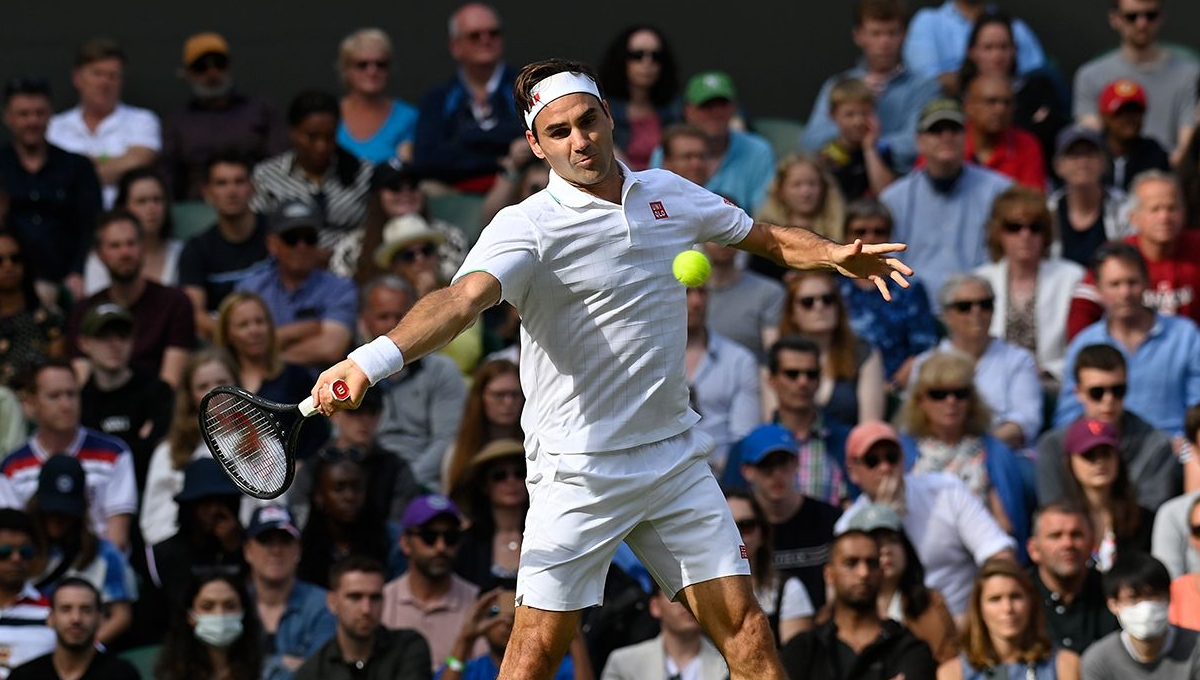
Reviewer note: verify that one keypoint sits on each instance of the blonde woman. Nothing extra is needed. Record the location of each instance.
(374, 126)
(802, 194)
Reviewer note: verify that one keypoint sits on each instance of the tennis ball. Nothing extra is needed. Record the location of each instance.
(692, 268)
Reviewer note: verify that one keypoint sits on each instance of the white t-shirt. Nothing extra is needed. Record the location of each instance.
(603, 319)
(126, 126)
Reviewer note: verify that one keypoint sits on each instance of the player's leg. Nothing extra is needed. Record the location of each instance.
(729, 613)
(539, 641)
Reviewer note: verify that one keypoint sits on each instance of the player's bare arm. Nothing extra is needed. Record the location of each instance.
(803, 249)
(432, 323)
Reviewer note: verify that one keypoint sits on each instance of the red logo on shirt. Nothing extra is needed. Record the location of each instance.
(745, 555)
(660, 213)
(728, 202)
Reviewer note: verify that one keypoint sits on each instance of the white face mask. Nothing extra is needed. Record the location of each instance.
(218, 630)
(1146, 620)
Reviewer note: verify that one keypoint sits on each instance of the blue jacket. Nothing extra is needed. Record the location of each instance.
(305, 626)
(451, 145)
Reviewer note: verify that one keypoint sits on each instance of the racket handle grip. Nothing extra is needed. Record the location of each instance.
(338, 388)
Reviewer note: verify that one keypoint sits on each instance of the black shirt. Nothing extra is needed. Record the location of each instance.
(103, 667)
(1078, 246)
(125, 411)
(1146, 155)
(802, 546)
(210, 262)
(819, 655)
(1086, 619)
(396, 655)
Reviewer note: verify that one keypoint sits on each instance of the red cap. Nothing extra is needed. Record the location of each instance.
(1085, 434)
(865, 435)
(1119, 93)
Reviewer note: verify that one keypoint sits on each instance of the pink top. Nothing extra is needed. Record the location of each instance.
(1185, 602)
(645, 134)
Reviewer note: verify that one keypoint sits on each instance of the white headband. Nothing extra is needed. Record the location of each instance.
(558, 85)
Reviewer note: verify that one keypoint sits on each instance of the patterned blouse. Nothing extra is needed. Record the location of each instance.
(25, 338)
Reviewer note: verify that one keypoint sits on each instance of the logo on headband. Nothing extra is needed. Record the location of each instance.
(537, 97)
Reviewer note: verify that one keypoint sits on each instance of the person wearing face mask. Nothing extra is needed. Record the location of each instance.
(214, 635)
(1138, 589)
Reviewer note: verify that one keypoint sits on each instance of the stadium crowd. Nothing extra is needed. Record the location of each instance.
(992, 476)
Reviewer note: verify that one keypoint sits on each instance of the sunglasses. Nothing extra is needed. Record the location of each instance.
(1196, 531)
(809, 301)
(479, 36)
(945, 126)
(1018, 227)
(430, 536)
(505, 473)
(960, 393)
(1150, 16)
(638, 55)
(746, 526)
(871, 460)
(410, 255)
(795, 373)
(15, 258)
(291, 238)
(964, 306)
(1097, 393)
(209, 61)
(381, 64)
(24, 551)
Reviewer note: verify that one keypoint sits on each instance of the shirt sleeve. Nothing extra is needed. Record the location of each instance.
(978, 530)
(191, 272)
(1026, 395)
(182, 322)
(144, 130)
(8, 494)
(121, 496)
(745, 410)
(506, 249)
(795, 603)
(718, 219)
(342, 305)
(118, 583)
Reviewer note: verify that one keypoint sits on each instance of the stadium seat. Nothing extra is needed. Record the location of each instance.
(191, 218)
(782, 133)
(143, 659)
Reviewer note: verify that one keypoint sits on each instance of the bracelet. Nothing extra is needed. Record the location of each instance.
(454, 664)
(378, 359)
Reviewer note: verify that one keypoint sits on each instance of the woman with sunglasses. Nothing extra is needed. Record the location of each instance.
(143, 192)
(945, 424)
(1033, 289)
(492, 412)
(374, 126)
(494, 502)
(851, 388)
(31, 332)
(1185, 590)
(641, 81)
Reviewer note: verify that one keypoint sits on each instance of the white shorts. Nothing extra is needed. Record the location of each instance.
(660, 498)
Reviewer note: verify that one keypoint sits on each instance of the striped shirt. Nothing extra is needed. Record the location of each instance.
(24, 635)
(279, 178)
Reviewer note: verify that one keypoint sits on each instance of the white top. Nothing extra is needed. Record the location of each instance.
(603, 319)
(125, 127)
(96, 278)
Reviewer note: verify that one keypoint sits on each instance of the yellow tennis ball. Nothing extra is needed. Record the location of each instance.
(692, 268)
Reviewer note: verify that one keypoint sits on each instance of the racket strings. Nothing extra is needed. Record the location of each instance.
(249, 439)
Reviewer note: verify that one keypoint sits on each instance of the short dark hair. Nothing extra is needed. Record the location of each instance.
(1061, 507)
(1099, 357)
(26, 85)
(98, 49)
(869, 208)
(362, 563)
(12, 519)
(538, 71)
(1138, 572)
(1117, 250)
(847, 535)
(117, 215)
(75, 582)
(791, 343)
(675, 131)
(27, 381)
(880, 10)
(312, 102)
(227, 157)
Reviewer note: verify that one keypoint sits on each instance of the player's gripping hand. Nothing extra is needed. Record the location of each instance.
(354, 377)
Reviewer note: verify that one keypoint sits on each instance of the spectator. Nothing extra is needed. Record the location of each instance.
(521, 175)
(950, 529)
(118, 400)
(1185, 590)
(855, 641)
(1060, 547)
(1006, 633)
(361, 647)
(802, 525)
(1168, 75)
(680, 648)
(75, 616)
(23, 631)
(744, 305)
(1122, 110)
(312, 308)
(143, 192)
(802, 193)
(373, 126)
(235, 247)
(851, 386)
(1188, 168)
(1101, 382)
(1032, 289)
(67, 547)
(784, 600)
(495, 501)
(724, 380)
(469, 123)
(1171, 538)
(492, 412)
(686, 153)
(1162, 352)
(945, 423)
(316, 171)
(295, 621)
(993, 141)
(853, 157)
(900, 329)
(937, 40)
(116, 136)
(409, 249)
(640, 78)
(215, 634)
(1174, 275)
(217, 120)
(53, 195)
(900, 92)
(34, 332)
(51, 399)
(941, 209)
(1087, 211)
(1138, 590)
(163, 323)
(1005, 376)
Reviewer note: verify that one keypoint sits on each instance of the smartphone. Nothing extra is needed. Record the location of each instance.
(506, 603)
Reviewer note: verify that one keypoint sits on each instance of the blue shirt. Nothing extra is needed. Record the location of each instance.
(900, 329)
(306, 624)
(745, 173)
(898, 108)
(725, 392)
(1163, 372)
(485, 668)
(323, 296)
(400, 127)
(937, 42)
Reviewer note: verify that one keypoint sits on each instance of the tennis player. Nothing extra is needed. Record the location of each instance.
(612, 454)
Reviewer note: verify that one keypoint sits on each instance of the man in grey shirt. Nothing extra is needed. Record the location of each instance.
(742, 305)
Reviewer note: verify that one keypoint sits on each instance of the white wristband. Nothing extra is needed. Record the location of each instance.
(378, 358)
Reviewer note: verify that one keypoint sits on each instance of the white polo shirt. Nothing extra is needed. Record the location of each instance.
(126, 126)
(603, 319)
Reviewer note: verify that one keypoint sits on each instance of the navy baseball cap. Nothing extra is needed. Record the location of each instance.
(272, 518)
(423, 509)
(765, 440)
(204, 478)
(62, 486)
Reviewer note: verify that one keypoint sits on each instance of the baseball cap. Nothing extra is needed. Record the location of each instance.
(1085, 434)
(865, 435)
(1120, 93)
(942, 110)
(62, 486)
(1073, 134)
(400, 232)
(102, 316)
(709, 85)
(393, 173)
(875, 516)
(765, 440)
(272, 518)
(295, 214)
(423, 509)
(201, 44)
(203, 478)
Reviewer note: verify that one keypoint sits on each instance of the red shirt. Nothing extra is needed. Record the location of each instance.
(1018, 155)
(1174, 282)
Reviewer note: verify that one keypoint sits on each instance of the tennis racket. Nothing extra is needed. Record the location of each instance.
(254, 439)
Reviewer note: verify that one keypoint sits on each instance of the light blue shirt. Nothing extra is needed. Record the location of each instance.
(725, 393)
(898, 108)
(937, 42)
(745, 173)
(323, 296)
(945, 233)
(1163, 372)
(400, 127)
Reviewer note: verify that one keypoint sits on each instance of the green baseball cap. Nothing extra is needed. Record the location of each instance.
(709, 85)
(940, 111)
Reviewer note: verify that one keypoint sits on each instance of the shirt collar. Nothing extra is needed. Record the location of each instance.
(72, 450)
(493, 82)
(568, 195)
(1155, 330)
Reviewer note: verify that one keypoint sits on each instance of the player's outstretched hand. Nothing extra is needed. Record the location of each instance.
(859, 261)
(348, 371)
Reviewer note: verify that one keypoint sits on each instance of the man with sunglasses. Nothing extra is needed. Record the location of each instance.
(24, 634)
(216, 119)
(1101, 382)
(1167, 75)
